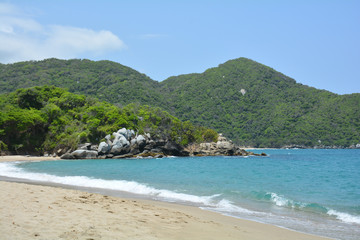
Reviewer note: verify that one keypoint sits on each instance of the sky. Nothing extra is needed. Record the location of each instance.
(315, 42)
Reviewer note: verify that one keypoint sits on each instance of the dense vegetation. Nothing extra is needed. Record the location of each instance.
(51, 119)
(105, 80)
(258, 106)
(248, 102)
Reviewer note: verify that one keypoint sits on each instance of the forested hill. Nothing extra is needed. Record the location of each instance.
(106, 80)
(250, 103)
(258, 106)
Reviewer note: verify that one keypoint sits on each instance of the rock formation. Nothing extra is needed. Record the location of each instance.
(126, 144)
(222, 147)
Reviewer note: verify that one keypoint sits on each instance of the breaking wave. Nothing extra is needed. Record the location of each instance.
(213, 202)
(282, 201)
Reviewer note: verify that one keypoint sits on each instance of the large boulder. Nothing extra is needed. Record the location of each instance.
(116, 136)
(209, 146)
(137, 144)
(94, 147)
(124, 142)
(116, 148)
(120, 145)
(224, 145)
(88, 146)
(127, 133)
(84, 146)
(172, 148)
(140, 140)
(81, 154)
(131, 134)
(123, 132)
(104, 148)
(108, 141)
(120, 139)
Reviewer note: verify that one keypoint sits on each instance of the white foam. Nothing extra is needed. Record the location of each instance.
(225, 205)
(279, 200)
(10, 170)
(345, 217)
(209, 202)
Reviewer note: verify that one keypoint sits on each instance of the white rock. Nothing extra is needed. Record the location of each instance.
(122, 131)
(104, 148)
(140, 139)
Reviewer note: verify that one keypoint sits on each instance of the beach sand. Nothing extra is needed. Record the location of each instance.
(43, 212)
(15, 158)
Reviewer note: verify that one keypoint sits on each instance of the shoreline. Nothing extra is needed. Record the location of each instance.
(15, 158)
(95, 216)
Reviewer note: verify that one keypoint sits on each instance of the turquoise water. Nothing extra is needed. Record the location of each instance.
(315, 191)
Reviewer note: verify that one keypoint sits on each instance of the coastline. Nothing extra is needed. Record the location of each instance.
(15, 158)
(46, 212)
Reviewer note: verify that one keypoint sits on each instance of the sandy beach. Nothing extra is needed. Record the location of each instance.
(43, 212)
(15, 158)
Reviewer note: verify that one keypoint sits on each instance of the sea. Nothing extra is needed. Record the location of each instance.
(315, 191)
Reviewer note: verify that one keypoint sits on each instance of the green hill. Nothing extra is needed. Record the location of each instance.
(105, 80)
(258, 106)
(250, 103)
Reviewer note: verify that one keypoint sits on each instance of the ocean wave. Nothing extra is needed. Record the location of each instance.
(10, 170)
(228, 207)
(279, 200)
(282, 201)
(213, 202)
(345, 217)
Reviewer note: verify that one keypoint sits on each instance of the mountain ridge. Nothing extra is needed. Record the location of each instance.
(249, 102)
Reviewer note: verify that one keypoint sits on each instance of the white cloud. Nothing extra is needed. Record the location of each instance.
(14, 25)
(23, 38)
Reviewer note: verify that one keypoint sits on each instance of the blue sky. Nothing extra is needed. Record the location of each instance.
(316, 42)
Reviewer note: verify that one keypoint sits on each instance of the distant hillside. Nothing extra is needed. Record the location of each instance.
(250, 103)
(106, 80)
(258, 106)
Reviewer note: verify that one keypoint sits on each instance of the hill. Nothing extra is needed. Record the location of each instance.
(105, 80)
(50, 119)
(250, 103)
(257, 106)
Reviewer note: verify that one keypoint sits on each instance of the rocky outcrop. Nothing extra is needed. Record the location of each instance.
(222, 147)
(80, 154)
(126, 144)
